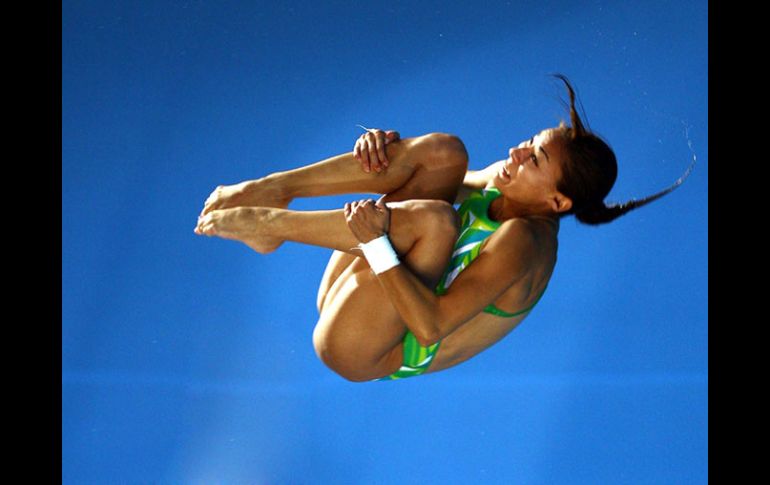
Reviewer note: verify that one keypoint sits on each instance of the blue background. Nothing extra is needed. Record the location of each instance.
(189, 360)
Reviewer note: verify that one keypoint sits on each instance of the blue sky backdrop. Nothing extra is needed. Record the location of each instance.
(189, 359)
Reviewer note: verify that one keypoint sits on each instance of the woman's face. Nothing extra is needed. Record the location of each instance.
(533, 168)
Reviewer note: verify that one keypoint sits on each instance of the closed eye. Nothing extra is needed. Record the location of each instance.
(533, 157)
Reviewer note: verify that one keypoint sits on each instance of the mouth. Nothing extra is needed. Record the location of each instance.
(504, 173)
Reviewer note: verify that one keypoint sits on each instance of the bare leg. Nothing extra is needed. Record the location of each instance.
(426, 167)
(326, 228)
(337, 264)
(359, 332)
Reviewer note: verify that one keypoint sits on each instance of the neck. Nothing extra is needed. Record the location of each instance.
(502, 209)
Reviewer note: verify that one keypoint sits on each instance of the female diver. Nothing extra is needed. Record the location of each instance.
(414, 286)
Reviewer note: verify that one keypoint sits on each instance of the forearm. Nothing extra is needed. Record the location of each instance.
(408, 280)
(475, 180)
(417, 304)
(479, 179)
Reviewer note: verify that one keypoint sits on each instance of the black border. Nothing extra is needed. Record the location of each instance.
(54, 246)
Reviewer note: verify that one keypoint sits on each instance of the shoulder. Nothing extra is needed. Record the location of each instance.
(517, 231)
(521, 239)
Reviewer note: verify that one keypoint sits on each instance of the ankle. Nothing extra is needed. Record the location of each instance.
(275, 186)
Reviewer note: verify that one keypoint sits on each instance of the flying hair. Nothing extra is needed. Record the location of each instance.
(590, 171)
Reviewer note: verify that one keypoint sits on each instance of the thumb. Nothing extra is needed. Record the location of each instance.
(380, 205)
(391, 135)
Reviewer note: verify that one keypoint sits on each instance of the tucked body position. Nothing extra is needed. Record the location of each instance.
(414, 285)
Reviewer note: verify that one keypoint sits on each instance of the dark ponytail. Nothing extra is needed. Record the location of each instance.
(590, 171)
(601, 213)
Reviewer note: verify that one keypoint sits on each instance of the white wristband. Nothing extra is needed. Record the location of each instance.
(380, 254)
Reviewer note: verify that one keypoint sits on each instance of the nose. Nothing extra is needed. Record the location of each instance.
(518, 154)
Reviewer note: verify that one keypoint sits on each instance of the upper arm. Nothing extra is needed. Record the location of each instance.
(504, 261)
(477, 179)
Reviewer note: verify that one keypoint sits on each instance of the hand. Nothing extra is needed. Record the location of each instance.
(370, 149)
(367, 219)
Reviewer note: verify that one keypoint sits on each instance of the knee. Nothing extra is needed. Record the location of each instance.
(447, 148)
(437, 217)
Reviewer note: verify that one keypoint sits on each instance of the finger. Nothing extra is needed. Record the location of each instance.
(364, 152)
(391, 136)
(369, 207)
(371, 144)
(381, 202)
(357, 150)
(380, 144)
(358, 154)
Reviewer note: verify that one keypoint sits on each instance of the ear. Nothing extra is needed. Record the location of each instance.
(560, 202)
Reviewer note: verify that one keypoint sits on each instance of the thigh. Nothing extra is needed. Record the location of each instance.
(440, 162)
(359, 332)
(338, 262)
(427, 228)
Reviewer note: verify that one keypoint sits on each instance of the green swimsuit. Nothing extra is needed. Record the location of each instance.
(475, 228)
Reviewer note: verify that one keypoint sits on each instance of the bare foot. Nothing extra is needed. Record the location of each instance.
(264, 192)
(244, 224)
